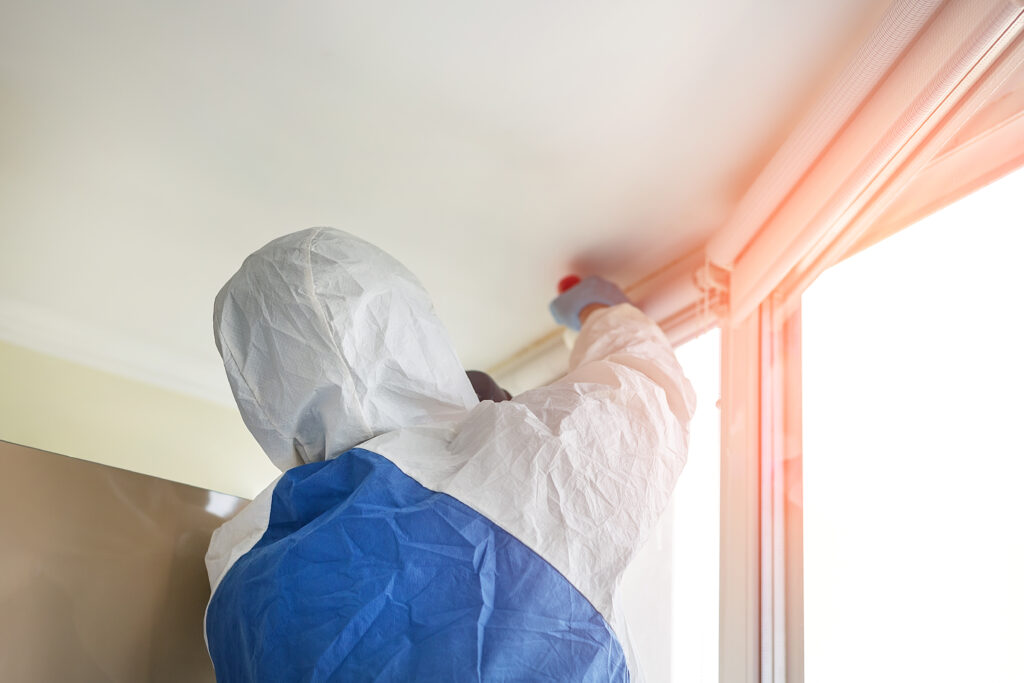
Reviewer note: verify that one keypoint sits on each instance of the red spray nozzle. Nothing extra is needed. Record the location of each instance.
(567, 283)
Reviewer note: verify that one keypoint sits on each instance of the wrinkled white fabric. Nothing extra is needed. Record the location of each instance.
(329, 343)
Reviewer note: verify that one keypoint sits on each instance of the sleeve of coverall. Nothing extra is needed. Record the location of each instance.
(617, 433)
(622, 339)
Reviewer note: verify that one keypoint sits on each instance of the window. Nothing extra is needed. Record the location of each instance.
(670, 591)
(913, 474)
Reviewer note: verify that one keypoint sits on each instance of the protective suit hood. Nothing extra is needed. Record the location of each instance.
(328, 342)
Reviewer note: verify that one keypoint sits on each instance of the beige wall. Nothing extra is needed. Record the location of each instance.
(102, 576)
(59, 406)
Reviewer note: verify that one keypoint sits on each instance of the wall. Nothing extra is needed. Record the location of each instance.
(102, 576)
(59, 406)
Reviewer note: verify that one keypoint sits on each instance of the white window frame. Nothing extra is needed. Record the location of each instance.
(894, 160)
(761, 617)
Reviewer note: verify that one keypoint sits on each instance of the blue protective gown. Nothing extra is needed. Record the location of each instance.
(364, 575)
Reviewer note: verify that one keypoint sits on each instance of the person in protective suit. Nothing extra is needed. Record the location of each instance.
(417, 533)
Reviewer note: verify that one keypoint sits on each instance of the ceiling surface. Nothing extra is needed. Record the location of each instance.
(147, 148)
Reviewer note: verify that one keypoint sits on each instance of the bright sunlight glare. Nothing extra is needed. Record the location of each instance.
(913, 459)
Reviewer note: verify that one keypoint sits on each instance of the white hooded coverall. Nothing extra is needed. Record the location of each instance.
(417, 533)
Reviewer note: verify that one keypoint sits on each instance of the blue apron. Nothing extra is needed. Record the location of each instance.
(364, 575)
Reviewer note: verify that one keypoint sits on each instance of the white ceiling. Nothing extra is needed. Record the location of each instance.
(146, 148)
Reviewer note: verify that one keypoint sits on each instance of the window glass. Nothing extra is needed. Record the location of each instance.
(670, 591)
(913, 474)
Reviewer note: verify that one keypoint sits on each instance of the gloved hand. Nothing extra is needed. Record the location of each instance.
(486, 388)
(592, 290)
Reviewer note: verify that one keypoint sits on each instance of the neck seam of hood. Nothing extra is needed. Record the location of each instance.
(357, 408)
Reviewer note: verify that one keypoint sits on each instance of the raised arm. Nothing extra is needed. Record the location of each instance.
(622, 335)
(586, 464)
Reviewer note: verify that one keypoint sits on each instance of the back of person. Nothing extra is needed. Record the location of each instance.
(417, 533)
(363, 574)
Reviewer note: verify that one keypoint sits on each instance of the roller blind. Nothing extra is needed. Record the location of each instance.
(955, 65)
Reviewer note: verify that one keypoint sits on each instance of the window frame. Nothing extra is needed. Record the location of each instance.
(761, 564)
